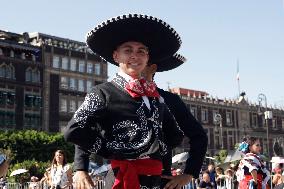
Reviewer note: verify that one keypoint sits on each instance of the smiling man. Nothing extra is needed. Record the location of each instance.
(126, 120)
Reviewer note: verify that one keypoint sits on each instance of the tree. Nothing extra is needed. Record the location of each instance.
(221, 156)
(31, 144)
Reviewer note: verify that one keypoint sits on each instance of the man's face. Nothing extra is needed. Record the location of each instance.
(132, 58)
(149, 71)
(206, 177)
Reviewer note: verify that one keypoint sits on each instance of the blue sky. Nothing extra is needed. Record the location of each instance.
(215, 34)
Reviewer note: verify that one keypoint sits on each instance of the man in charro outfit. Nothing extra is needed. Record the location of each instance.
(188, 124)
(126, 120)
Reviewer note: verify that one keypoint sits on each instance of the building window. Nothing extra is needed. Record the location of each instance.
(55, 62)
(217, 141)
(29, 74)
(29, 100)
(2, 118)
(10, 119)
(81, 66)
(72, 106)
(283, 124)
(23, 56)
(1, 52)
(231, 142)
(73, 64)
(7, 98)
(12, 54)
(215, 112)
(63, 105)
(3, 70)
(35, 76)
(64, 64)
(254, 120)
(263, 121)
(37, 102)
(64, 82)
(193, 111)
(7, 71)
(90, 68)
(89, 86)
(274, 125)
(72, 84)
(33, 58)
(10, 99)
(229, 120)
(204, 115)
(3, 96)
(81, 86)
(97, 69)
(32, 120)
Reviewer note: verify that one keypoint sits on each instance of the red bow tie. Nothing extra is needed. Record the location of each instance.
(141, 87)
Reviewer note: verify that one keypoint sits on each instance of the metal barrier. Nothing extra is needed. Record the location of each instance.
(37, 185)
(100, 184)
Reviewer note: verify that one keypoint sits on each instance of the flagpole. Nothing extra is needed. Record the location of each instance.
(238, 77)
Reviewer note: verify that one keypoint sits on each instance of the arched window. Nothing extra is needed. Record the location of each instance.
(12, 54)
(23, 55)
(10, 72)
(28, 74)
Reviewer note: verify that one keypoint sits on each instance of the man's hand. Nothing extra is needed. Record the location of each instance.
(83, 180)
(177, 182)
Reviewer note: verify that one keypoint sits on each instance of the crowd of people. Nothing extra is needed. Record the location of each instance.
(249, 173)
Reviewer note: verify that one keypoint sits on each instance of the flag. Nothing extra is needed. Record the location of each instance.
(238, 72)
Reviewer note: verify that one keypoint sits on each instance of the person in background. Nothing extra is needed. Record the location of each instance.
(34, 183)
(4, 165)
(251, 172)
(212, 174)
(205, 183)
(187, 123)
(45, 180)
(278, 179)
(3, 183)
(229, 178)
(60, 172)
(220, 178)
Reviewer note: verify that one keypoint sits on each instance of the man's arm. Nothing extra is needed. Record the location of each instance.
(81, 165)
(193, 130)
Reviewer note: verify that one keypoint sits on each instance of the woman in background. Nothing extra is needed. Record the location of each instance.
(60, 173)
(252, 173)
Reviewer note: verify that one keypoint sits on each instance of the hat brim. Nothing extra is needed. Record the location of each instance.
(170, 63)
(161, 39)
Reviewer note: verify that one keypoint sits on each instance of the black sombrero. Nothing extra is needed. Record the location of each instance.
(170, 63)
(160, 38)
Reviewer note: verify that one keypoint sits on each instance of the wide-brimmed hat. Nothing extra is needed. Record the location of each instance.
(160, 38)
(170, 63)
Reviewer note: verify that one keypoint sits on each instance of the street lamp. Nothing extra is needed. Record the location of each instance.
(267, 115)
(218, 119)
